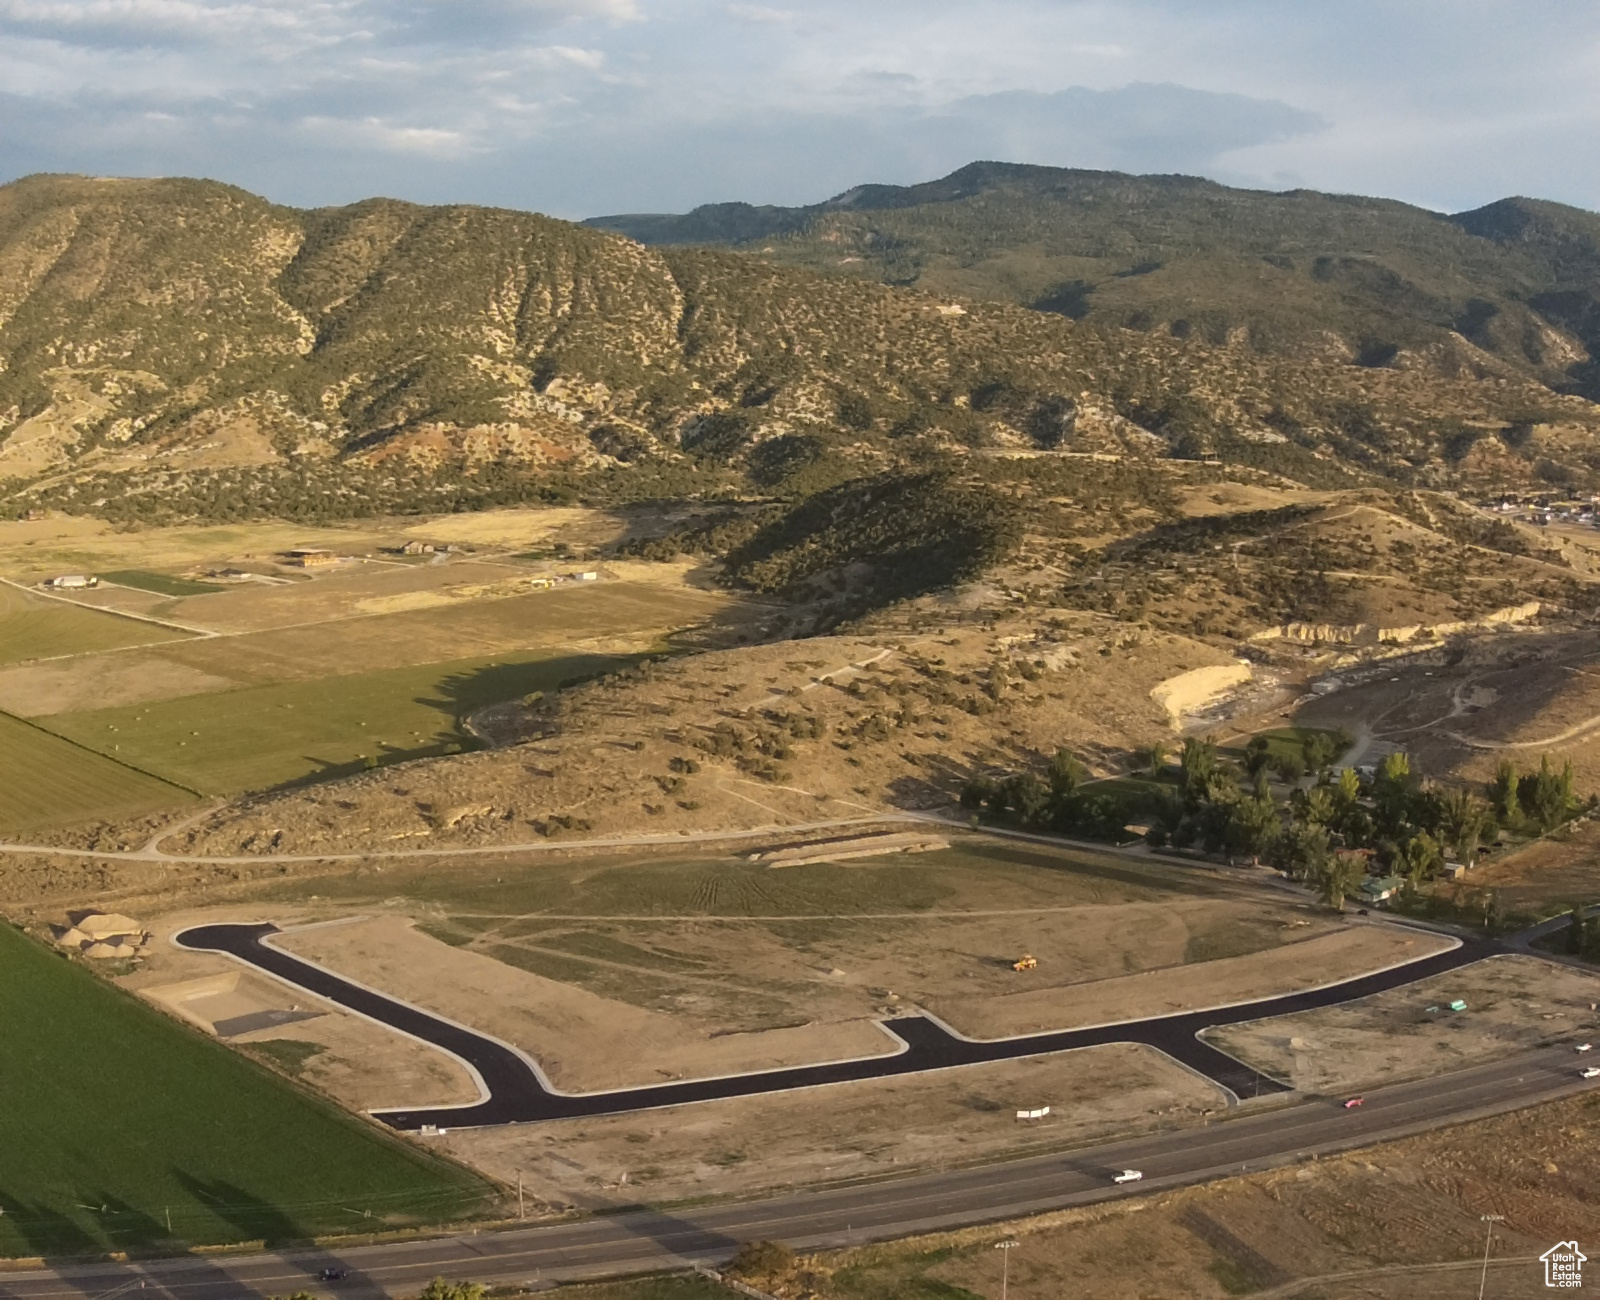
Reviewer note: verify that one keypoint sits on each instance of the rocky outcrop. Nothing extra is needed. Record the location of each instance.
(1374, 634)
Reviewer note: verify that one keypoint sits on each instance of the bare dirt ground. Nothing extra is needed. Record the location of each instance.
(754, 1144)
(360, 1065)
(1558, 871)
(1324, 959)
(1514, 1004)
(614, 972)
(1399, 1221)
(583, 1042)
(1460, 709)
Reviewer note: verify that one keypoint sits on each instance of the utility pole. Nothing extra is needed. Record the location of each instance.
(1005, 1248)
(1488, 1236)
(519, 1194)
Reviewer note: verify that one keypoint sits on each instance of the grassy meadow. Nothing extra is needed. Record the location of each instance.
(46, 780)
(118, 1120)
(261, 736)
(33, 627)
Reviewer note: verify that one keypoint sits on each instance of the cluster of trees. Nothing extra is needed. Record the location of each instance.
(1058, 801)
(1329, 833)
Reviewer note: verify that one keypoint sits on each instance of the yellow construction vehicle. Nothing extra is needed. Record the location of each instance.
(1026, 962)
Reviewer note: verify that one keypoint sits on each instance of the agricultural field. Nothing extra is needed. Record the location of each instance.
(119, 1122)
(161, 583)
(37, 627)
(302, 675)
(257, 737)
(48, 780)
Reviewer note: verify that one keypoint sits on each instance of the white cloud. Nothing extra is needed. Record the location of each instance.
(585, 105)
(371, 133)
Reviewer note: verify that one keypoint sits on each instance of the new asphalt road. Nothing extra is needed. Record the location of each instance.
(516, 1094)
(637, 1242)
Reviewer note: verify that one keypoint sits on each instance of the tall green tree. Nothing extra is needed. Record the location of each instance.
(1503, 796)
(1198, 760)
(1340, 877)
(1548, 794)
(1252, 826)
(1066, 772)
(1301, 851)
(1463, 819)
(1391, 793)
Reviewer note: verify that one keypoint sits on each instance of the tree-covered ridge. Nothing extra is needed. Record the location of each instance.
(1513, 284)
(386, 345)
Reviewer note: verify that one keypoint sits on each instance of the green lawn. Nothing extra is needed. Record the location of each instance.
(263, 736)
(117, 1118)
(162, 584)
(32, 627)
(45, 780)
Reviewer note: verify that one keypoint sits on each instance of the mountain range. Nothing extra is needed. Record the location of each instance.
(1363, 279)
(182, 348)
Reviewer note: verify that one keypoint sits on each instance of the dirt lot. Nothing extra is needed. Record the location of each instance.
(1394, 1222)
(359, 1064)
(613, 970)
(752, 1144)
(1324, 959)
(583, 1041)
(1548, 874)
(1513, 1004)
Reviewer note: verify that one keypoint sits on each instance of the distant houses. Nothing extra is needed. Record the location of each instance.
(71, 582)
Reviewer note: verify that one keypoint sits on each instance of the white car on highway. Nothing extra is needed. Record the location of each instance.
(1134, 1175)
(1593, 1072)
(1583, 1047)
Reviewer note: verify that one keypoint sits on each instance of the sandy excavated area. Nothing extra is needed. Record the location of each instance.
(582, 1041)
(844, 1131)
(1513, 1004)
(364, 1065)
(1322, 960)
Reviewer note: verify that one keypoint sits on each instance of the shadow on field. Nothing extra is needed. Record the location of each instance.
(457, 695)
(62, 1243)
(256, 1220)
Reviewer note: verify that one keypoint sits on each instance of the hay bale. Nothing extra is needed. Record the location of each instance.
(108, 925)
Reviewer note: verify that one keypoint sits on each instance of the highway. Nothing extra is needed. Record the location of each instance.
(514, 1091)
(1258, 1136)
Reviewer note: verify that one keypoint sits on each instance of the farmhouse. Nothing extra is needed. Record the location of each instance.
(72, 581)
(311, 557)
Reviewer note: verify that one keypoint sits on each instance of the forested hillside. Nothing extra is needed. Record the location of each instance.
(176, 349)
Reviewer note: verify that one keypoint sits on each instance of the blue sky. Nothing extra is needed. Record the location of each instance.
(581, 107)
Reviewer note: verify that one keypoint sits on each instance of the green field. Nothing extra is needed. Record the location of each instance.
(116, 1118)
(162, 584)
(46, 780)
(32, 627)
(263, 736)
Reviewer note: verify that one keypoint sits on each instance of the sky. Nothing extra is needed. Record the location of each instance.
(588, 107)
